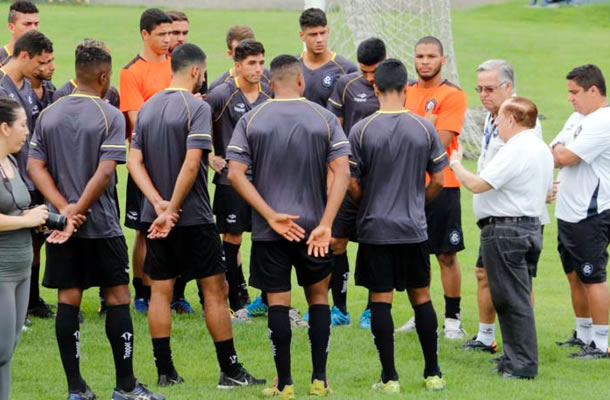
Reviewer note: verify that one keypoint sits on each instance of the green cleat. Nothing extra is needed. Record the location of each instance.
(390, 387)
(434, 383)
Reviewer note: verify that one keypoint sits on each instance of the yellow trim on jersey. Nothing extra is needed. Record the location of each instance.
(332, 58)
(73, 82)
(199, 135)
(101, 110)
(347, 85)
(323, 119)
(84, 95)
(393, 112)
(366, 126)
(423, 126)
(4, 75)
(114, 146)
(224, 108)
(256, 113)
(232, 146)
(34, 143)
(353, 163)
(335, 103)
(439, 157)
(188, 109)
(178, 89)
(340, 143)
(291, 99)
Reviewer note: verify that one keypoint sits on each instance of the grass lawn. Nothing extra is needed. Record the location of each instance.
(543, 46)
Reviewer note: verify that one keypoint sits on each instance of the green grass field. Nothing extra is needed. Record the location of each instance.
(543, 46)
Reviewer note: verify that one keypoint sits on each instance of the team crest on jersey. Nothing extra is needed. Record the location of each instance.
(360, 98)
(587, 269)
(577, 132)
(430, 105)
(455, 237)
(327, 81)
(240, 108)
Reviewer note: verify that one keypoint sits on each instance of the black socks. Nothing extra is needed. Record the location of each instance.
(231, 250)
(142, 291)
(119, 330)
(179, 287)
(382, 327)
(339, 280)
(426, 325)
(227, 357)
(67, 331)
(164, 361)
(452, 307)
(319, 339)
(280, 335)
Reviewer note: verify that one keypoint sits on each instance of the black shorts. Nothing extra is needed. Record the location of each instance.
(133, 206)
(444, 217)
(583, 247)
(233, 214)
(37, 199)
(533, 262)
(386, 267)
(344, 226)
(195, 252)
(271, 266)
(83, 263)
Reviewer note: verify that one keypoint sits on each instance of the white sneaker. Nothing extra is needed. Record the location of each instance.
(408, 327)
(295, 319)
(453, 329)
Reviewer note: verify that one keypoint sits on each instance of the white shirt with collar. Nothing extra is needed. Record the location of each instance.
(584, 187)
(521, 175)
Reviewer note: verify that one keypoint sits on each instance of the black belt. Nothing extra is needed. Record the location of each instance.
(511, 220)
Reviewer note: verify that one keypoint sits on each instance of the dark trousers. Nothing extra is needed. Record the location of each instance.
(510, 252)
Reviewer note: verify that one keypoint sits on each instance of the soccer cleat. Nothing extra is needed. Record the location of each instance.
(86, 395)
(474, 344)
(365, 319)
(27, 323)
(41, 309)
(453, 329)
(306, 317)
(167, 380)
(242, 378)
(590, 352)
(242, 315)
(508, 375)
(238, 319)
(182, 306)
(319, 388)
(409, 326)
(244, 296)
(257, 308)
(434, 383)
(140, 392)
(337, 318)
(295, 319)
(573, 341)
(285, 394)
(390, 387)
(140, 305)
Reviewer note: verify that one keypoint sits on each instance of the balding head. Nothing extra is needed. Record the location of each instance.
(516, 114)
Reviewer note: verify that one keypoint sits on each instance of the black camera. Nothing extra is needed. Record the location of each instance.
(56, 222)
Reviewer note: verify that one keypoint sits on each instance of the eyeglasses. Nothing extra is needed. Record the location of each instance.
(488, 89)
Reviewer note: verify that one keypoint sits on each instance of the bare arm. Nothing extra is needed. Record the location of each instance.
(138, 172)
(130, 120)
(38, 172)
(446, 137)
(354, 190)
(437, 180)
(564, 157)
(96, 186)
(29, 219)
(472, 182)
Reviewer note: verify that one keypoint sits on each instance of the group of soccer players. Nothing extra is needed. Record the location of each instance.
(308, 155)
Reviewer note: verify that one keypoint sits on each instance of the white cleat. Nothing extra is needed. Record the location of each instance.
(453, 329)
(408, 327)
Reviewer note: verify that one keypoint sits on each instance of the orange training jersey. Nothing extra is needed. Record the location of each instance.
(140, 80)
(448, 102)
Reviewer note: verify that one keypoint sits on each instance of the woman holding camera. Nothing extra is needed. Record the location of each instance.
(16, 221)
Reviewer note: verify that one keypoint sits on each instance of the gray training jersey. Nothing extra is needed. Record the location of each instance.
(391, 153)
(170, 123)
(72, 136)
(24, 95)
(353, 98)
(319, 83)
(229, 75)
(288, 143)
(112, 95)
(229, 104)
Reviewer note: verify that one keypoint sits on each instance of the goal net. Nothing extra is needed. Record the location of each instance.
(400, 24)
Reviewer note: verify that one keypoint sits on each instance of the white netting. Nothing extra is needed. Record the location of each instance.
(400, 24)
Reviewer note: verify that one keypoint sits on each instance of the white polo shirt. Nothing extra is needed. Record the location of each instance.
(521, 174)
(491, 144)
(584, 188)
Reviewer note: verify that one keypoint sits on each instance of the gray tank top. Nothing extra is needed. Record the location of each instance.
(16, 252)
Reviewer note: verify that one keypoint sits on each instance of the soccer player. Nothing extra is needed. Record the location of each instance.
(392, 234)
(229, 102)
(180, 29)
(42, 86)
(321, 67)
(509, 197)
(111, 97)
(443, 104)
(33, 50)
(582, 152)
(22, 18)
(235, 35)
(144, 76)
(353, 99)
(173, 179)
(289, 143)
(77, 144)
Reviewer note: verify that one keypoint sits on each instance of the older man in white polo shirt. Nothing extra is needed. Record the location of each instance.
(510, 196)
(582, 151)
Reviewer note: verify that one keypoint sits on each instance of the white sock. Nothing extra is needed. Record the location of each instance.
(487, 333)
(600, 337)
(583, 329)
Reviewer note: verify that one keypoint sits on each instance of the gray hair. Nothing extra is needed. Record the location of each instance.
(505, 70)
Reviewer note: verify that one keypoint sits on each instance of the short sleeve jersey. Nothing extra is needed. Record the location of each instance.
(448, 102)
(72, 136)
(521, 174)
(584, 190)
(319, 82)
(24, 95)
(288, 143)
(5, 56)
(170, 123)
(352, 99)
(230, 75)
(111, 97)
(391, 153)
(40, 103)
(141, 79)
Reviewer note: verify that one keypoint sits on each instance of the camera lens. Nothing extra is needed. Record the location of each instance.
(56, 222)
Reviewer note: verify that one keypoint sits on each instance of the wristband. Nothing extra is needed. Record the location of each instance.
(451, 163)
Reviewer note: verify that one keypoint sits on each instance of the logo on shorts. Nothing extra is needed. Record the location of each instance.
(430, 105)
(587, 269)
(231, 219)
(240, 108)
(133, 215)
(327, 81)
(454, 237)
(361, 98)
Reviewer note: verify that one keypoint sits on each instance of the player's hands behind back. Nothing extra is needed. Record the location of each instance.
(285, 226)
(318, 242)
